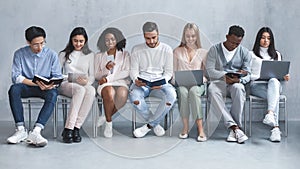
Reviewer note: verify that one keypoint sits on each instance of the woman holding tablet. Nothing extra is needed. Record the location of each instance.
(77, 60)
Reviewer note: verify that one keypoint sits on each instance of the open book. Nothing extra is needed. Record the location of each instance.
(46, 81)
(235, 74)
(153, 83)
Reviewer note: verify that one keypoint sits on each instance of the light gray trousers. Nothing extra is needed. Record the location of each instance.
(218, 91)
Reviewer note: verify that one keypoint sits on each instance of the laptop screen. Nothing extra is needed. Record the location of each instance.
(274, 69)
(189, 78)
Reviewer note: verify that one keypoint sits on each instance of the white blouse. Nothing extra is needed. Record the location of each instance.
(257, 62)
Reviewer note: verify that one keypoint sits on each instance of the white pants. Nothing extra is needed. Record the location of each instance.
(271, 92)
(81, 104)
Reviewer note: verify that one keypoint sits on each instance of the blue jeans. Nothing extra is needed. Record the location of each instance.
(18, 91)
(271, 92)
(167, 94)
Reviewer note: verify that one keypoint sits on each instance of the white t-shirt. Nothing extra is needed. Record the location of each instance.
(228, 54)
(151, 63)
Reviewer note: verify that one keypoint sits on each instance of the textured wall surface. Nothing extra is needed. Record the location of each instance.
(213, 18)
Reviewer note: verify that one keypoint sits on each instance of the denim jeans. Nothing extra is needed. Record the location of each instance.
(19, 90)
(271, 92)
(167, 94)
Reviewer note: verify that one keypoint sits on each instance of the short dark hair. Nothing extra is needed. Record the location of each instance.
(236, 30)
(149, 27)
(33, 32)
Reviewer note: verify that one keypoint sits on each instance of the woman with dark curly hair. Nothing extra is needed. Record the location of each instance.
(111, 73)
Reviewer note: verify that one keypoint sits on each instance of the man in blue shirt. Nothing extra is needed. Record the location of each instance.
(28, 61)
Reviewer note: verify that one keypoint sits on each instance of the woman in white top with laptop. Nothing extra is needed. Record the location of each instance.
(190, 56)
(264, 49)
(77, 60)
(111, 73)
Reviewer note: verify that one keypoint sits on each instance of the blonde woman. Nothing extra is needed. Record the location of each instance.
(189, 55)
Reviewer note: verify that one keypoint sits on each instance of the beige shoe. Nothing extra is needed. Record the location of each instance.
(183, 136)
(201, 138)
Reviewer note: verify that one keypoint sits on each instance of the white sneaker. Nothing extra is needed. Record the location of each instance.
(17, 137)
(231, 137)
(101, 120)
(108, 130)
(275, 135)
(269, 119)
(240, 136)
(36, 139)
(141, 132)
(158, 130)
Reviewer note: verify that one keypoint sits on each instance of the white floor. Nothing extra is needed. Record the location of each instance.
(125, 152)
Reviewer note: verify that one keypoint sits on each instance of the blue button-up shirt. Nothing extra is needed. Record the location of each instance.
(26, 64)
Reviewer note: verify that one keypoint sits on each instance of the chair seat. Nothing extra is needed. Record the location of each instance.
(259, 103)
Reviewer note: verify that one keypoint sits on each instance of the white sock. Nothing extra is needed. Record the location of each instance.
(21, 128)
(37, 129)
(109, 123)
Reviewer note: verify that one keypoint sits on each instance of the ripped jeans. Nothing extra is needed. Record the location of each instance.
(167, 94)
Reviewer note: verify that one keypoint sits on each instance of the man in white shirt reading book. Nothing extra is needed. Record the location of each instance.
(33, 59)
(151, 61)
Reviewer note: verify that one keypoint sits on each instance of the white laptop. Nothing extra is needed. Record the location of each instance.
(189, 78)
(274, 69)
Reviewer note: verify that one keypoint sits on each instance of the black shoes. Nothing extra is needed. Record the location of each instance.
(67, 135)
(70, 136)
(76, 135)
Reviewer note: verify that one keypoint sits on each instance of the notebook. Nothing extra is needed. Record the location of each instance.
(274, 69)
(189, 78)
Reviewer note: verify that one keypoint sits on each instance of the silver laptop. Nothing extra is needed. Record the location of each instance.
(274, 69)
(189, 78)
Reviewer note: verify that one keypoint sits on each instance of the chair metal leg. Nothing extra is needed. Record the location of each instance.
(245, 120)
(94, 118)
(171, 121)
(29, 114)
(55, 121)
(166, 122)
(285, 119)
(65, 109)
(250, 117)
(133, 121)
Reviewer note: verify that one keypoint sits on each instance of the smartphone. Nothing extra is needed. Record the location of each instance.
(110, 58)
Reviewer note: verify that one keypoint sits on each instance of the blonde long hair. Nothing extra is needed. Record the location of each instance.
(196, 29)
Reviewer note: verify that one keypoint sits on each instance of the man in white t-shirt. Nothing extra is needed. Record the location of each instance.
(151, 61)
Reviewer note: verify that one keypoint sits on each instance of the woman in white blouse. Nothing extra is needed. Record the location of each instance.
(77, 59)
(190, 56)
(111, 73)
(264, 49)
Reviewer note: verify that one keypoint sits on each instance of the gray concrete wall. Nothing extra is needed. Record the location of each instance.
(212, 16)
